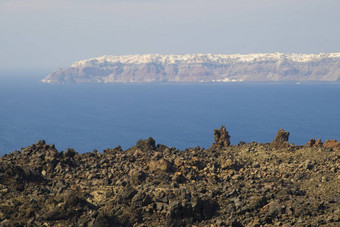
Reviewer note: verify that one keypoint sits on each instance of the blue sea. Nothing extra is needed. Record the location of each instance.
(100, 116)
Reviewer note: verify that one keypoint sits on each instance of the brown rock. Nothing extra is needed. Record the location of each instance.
(221, 137)
(332, 144)
(231, 164)
(318, 143)
(310, 143)
(103, 220)
(136, 177)
(146, 145)
(271, 210)
(314, 143)
(70, 152)
(281, 139)
(40, 142)
(161, 164)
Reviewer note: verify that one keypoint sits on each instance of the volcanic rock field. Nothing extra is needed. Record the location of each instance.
(149, 184)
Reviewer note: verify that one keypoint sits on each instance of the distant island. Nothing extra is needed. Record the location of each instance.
(200, 68)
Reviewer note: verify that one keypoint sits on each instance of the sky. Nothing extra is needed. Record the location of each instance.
(50, 34)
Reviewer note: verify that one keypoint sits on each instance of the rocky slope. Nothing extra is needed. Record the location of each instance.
(201, 68)
(153, 185)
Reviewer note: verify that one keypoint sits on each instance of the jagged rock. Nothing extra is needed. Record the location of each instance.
(271, 210)
(136, 177)
(221, 137)
(127, 194)
(318, 143)
(311, 143)
(334, 144)
(40, 143)
(162, 165)
(281, 139)
(103, 220)
(70, 152)
(141, 199)
(72, 200)
(20, 175)
(146, 145)
(314, 143)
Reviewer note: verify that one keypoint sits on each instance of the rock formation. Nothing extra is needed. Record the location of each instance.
(151, 184)
(314, 143)
(333, 144)
(221, 137)
(201, 68)
(281, 139)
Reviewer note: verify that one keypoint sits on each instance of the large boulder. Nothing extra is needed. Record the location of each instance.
(221, 137)
(281, 139)
(160, 165)
(146, 145)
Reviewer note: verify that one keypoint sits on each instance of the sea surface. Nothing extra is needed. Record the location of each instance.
(100, 116)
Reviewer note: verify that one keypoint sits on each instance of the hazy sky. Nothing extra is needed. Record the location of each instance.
(48, 34)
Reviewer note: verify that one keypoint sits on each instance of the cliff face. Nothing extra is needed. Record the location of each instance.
(201, 68)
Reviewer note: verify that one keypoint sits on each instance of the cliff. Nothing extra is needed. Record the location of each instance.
(151, 184)
(201, 68)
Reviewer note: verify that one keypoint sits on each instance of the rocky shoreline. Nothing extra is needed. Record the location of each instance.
(252, 184)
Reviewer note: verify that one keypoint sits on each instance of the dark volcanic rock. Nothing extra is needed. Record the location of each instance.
(221, 137)
(18, 176)
(281, 139)
(162, 165)
(332, 144)
(146, 145)
(70, 152)
(103, 220)
(313, 143)
(251, 184)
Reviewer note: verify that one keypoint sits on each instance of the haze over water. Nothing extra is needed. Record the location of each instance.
(99, 116)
